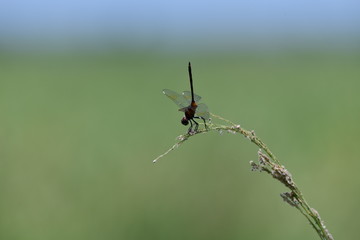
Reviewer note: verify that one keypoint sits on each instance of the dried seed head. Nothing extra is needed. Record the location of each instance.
(289, 197)
(231, 131)
(254, 166)
(263, 159)
(181, 138)
(328, 234)
(283, 175)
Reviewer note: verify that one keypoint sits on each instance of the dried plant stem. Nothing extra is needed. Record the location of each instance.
(270, 164)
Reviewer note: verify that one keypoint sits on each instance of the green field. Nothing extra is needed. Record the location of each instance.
(79, 132)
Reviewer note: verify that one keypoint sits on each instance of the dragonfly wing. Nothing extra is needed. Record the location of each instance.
(178, 99)
(183, 109)
(187, 95)
(202, 111)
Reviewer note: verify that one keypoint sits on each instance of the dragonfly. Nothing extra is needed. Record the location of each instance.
(188, 103)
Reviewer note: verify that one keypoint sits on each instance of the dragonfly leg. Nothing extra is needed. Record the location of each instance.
(191, 125)
(204, 122)
(196, 125)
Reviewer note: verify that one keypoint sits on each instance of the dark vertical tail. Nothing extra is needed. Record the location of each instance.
(191, 83)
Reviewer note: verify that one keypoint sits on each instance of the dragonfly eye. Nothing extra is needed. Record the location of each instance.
(184, 121)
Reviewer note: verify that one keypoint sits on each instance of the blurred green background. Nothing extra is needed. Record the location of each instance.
(81, 122)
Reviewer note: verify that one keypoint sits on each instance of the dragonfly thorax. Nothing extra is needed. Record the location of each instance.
(190, 111)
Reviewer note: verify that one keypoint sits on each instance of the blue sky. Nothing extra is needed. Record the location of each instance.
(176, 22)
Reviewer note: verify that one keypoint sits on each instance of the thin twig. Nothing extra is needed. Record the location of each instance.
(270, 164)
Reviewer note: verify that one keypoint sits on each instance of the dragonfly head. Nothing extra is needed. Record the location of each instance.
(184, 121)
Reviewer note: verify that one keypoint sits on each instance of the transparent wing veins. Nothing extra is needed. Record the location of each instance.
(177, 98)
(202, 111)
(187, 95)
